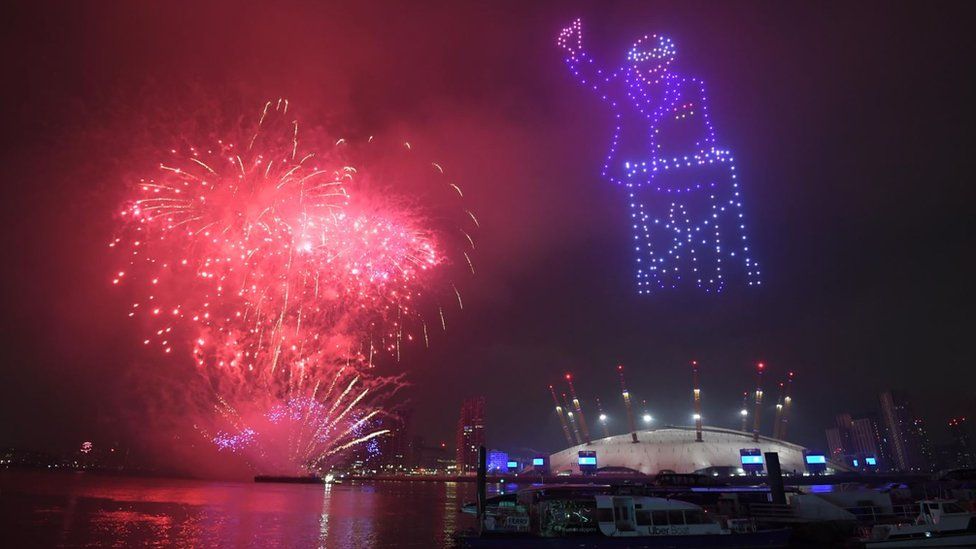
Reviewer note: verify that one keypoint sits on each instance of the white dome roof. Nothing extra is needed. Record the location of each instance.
(675, 448)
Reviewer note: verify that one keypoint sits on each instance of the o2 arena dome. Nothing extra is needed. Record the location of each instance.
(675, 449)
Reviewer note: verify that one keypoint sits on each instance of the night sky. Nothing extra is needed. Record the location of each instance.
(851, 126)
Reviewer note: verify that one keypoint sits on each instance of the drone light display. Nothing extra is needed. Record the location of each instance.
(684, 199)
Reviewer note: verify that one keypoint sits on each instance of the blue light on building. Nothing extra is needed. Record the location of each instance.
(497, 461)
(752, 460)
(816, 463)
(587, 462)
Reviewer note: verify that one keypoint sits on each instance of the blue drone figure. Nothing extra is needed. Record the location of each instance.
(681, 186)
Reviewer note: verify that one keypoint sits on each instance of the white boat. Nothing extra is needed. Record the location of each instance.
(631, 516)
(940, 523)
(588, 516)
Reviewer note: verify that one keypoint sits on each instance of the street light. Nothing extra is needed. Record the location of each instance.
(744, 412)
(696, 417)
(603, 418)
(648, 418)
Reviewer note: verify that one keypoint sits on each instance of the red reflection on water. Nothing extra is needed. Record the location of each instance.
(73, 509)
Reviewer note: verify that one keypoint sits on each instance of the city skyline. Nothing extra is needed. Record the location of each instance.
(464, 274)
(850, 145)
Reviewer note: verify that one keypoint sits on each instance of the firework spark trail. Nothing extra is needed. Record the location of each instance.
(275, 268)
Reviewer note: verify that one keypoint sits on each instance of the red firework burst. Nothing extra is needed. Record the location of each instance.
(276, 268)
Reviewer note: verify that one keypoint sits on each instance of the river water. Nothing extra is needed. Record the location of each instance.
(74, 509)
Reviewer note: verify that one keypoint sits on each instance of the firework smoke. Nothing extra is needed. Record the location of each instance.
(283, 272)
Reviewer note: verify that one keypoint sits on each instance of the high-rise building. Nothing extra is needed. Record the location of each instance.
(844, 422)
(854, 439)
(839, 437)
(910, 448)
(926, 453)
(867, 440)
(397, 452)
(835, 443)
(430, 456)
(470, 434)
(961, 447)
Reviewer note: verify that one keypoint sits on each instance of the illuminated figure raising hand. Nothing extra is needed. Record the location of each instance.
(685, 203)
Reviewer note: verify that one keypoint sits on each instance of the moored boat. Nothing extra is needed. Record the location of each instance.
(593, 516)
(940, 523)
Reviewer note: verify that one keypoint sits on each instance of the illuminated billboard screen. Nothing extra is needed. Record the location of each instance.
(538, 462)
(512, 464)
(752, 460)
(816, 460)
(871, 461)
(587, 460)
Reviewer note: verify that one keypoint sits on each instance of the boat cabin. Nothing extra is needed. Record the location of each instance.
(623, 516)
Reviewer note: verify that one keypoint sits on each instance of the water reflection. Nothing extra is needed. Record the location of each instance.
(450, 508)
(324, 520)
(41, 509)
